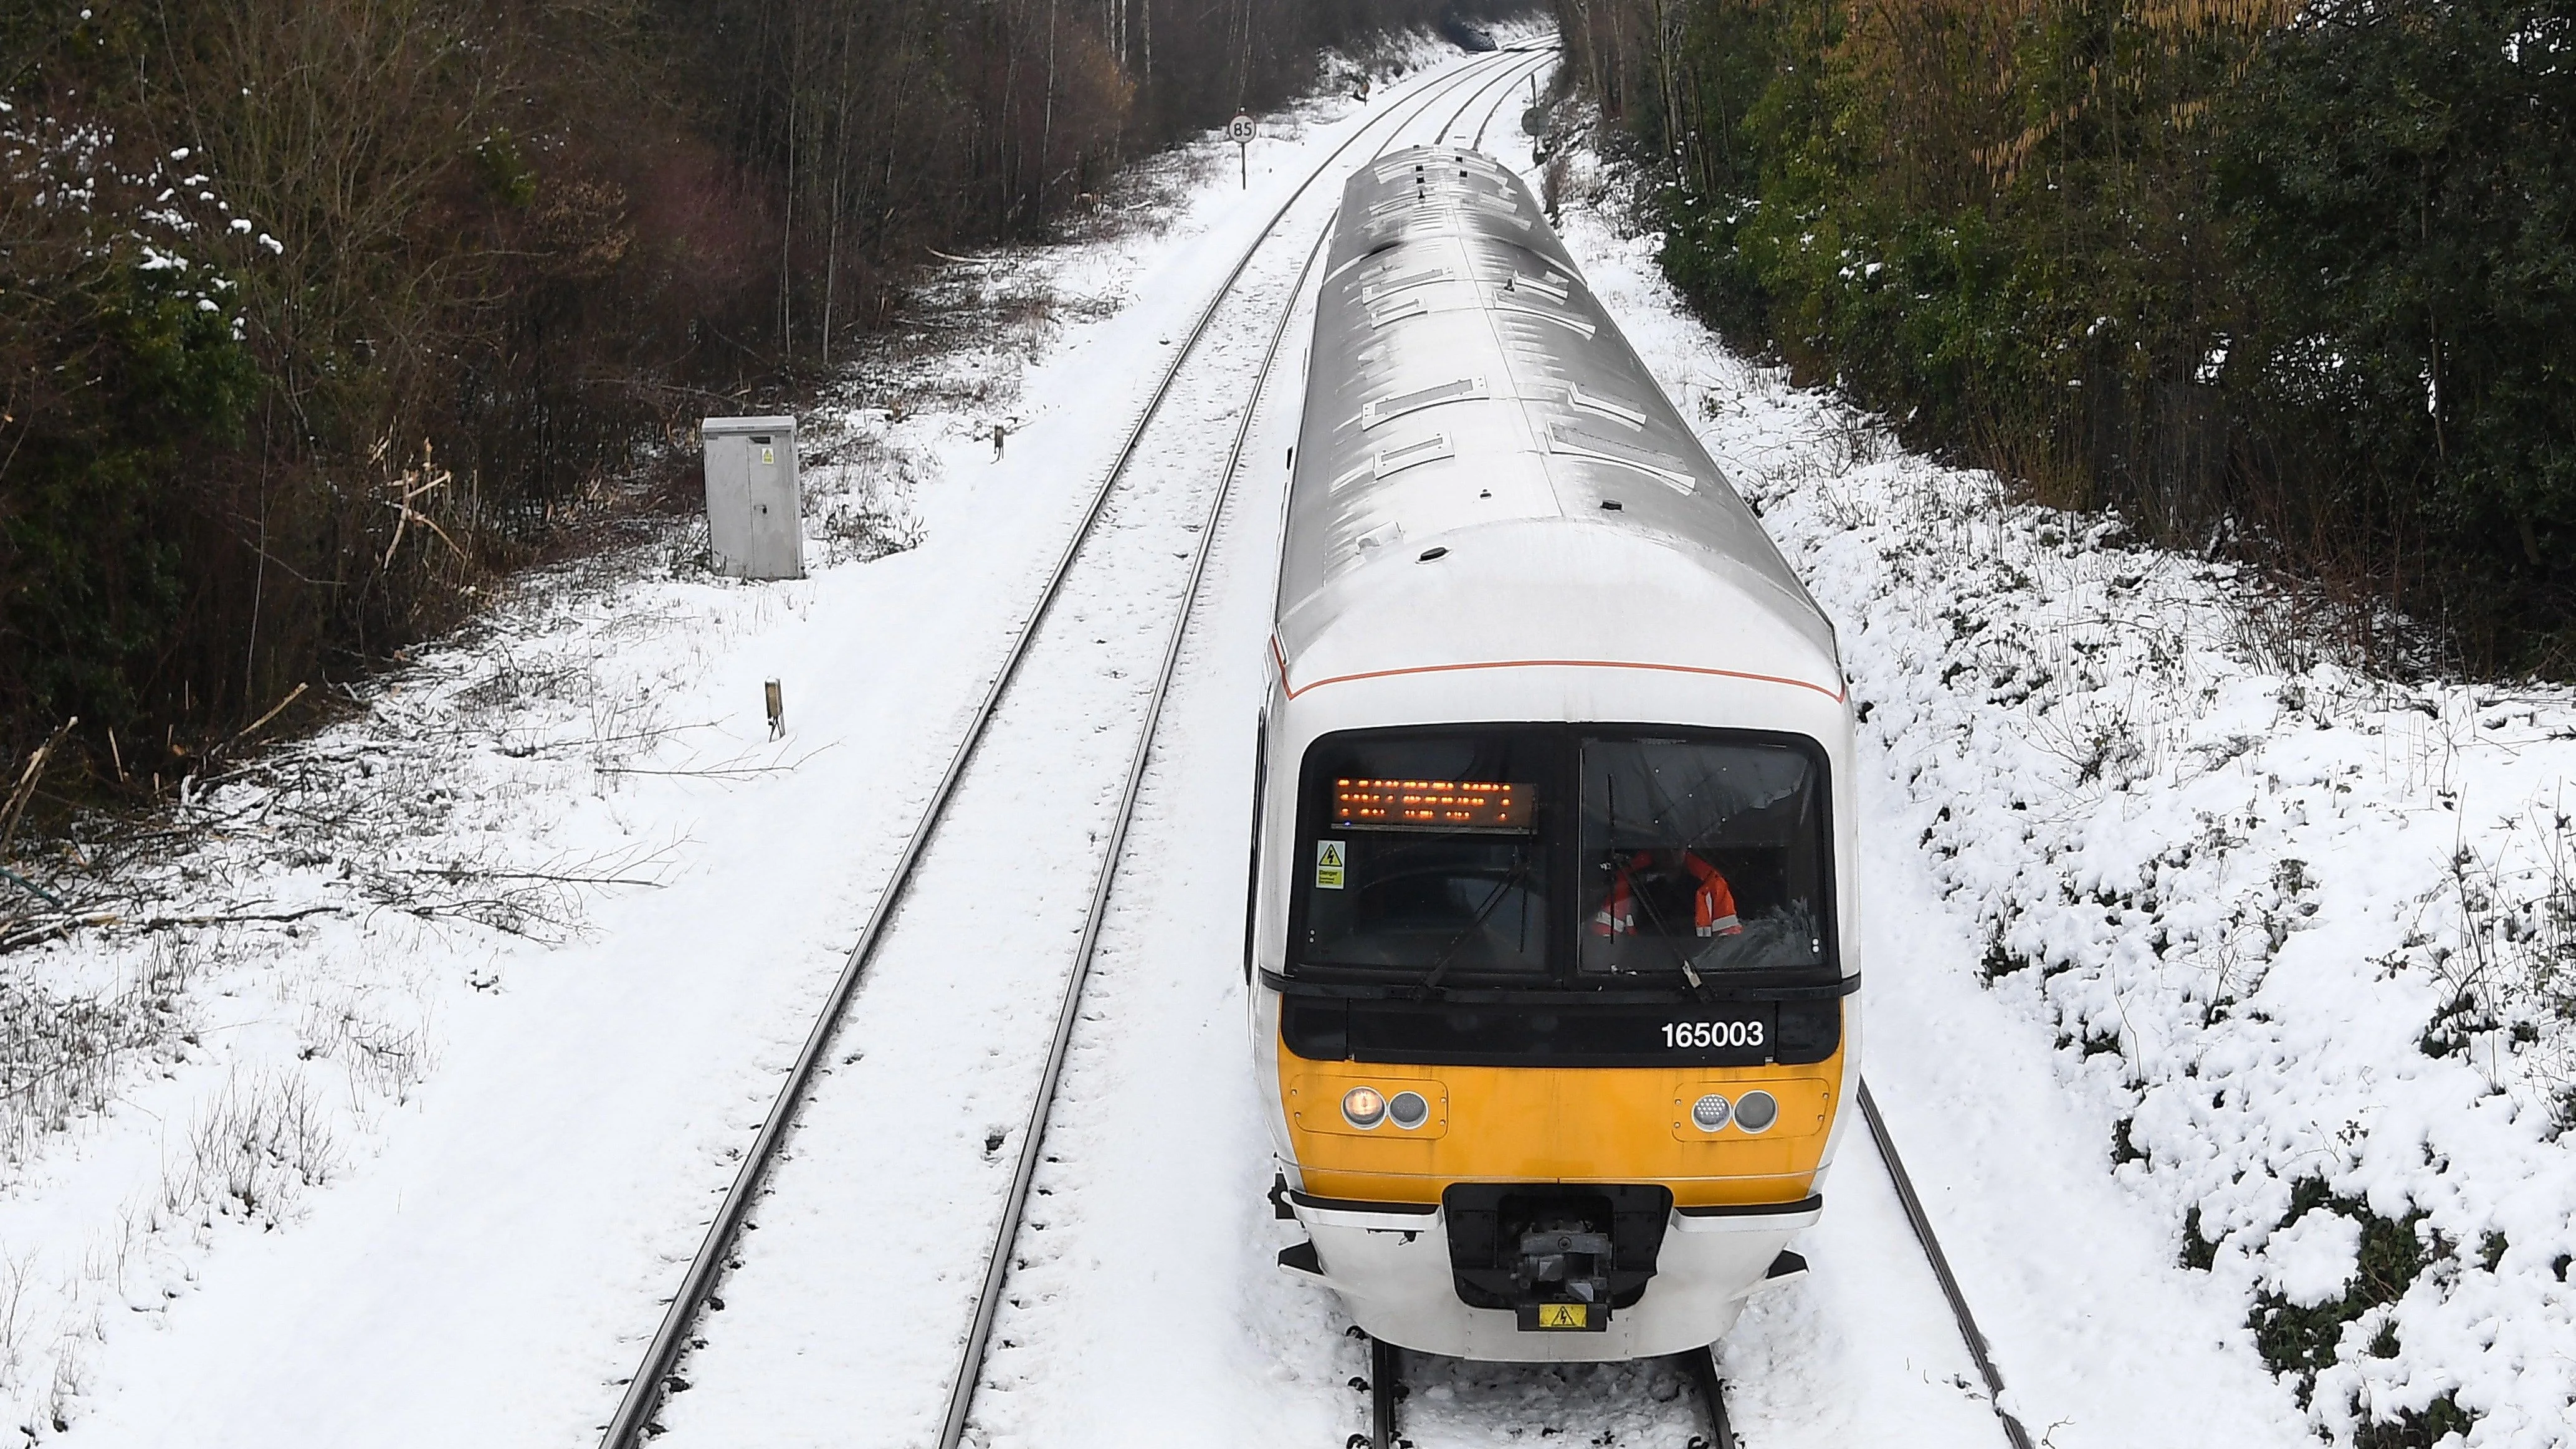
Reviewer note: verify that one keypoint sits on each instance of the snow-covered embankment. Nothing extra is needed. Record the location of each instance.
(2299, 932)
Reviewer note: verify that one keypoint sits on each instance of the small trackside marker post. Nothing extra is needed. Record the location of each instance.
(1240, 131)
(777, 702)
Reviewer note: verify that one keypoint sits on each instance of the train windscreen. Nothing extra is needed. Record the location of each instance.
(1701, 858)
(1536, 855)
(1422, 854)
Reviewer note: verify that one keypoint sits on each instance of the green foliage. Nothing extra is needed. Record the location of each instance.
(2299, 277)
(2402, 182)
(90, 577)
(2412, 1429)
(2297, 1341)
(506, 172)
(2197, 1251)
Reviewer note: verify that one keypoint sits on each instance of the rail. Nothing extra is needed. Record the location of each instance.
(1923, 1234)
(652, 1381)
(970, 1365)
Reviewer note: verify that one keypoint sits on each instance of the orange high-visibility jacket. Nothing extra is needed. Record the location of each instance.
(1712, 905)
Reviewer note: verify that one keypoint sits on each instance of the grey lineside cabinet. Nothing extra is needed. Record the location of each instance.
(753, 527)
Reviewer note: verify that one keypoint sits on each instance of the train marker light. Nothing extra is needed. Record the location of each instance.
(1408, 1109)
(1709, 1113)
(1364, 1106)
(1756, 1111)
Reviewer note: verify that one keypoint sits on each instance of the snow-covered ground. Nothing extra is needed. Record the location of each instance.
(894, 1209)
(515, 958)
(2170, 919)
(2190, 942)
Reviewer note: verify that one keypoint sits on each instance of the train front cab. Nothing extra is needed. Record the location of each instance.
(1560, 1016)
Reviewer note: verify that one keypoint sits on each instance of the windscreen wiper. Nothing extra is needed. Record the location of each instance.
(1665, 935)
(1610, 799)
(1440, 966)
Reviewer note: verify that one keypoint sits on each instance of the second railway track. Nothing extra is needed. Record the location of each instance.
(1051, 1347)
(838, 1290)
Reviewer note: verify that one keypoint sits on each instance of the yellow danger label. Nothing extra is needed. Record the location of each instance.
(769, 455)
(1328, 865)
(1565, 1315)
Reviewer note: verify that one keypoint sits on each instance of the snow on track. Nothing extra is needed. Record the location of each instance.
(485, 1276)
(857, 1281)
(1149, 1310)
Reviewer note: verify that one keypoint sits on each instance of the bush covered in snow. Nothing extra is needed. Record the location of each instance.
(2300, 929)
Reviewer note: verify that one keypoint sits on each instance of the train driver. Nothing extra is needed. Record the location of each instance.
(1712, 900)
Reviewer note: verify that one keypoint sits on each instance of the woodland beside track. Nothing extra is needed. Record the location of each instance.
(317, 315)
(2287, 283)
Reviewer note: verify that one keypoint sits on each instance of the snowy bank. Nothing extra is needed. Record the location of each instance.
(2300, 934)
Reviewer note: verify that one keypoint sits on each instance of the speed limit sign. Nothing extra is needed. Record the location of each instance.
(1240, 131)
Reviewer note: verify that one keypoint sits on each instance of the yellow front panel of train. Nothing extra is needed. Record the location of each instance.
(1558, 1124)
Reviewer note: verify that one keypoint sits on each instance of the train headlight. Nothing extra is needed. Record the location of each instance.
(1408, 1109)
(1710, 1112)
(1364, 1106)
(1756, 1111)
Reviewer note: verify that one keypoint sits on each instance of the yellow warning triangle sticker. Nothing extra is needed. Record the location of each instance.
(1328, 865)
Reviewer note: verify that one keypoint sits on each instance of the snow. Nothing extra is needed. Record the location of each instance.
(2312, 1260)
(2177, 868)
(2144, 864)
(577, 1065)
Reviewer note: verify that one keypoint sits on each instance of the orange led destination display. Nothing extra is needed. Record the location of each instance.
(1432, 804)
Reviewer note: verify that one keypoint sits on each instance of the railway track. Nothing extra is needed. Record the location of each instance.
(1492, 82)
(964, 1382)
(1699, 1368)
(2014, 1434)
(912, 898)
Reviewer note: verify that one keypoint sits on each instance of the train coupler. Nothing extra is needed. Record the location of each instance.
(1563, 1274)
(1559, 1258)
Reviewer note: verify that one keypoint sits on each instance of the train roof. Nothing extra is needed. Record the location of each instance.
(1487, 472)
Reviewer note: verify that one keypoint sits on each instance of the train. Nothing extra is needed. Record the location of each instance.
(1550, 942)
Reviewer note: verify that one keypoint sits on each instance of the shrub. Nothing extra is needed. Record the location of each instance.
(2295, 280)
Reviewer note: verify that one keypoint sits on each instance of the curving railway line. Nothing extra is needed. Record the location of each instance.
(1002, 802)
(876, 1270)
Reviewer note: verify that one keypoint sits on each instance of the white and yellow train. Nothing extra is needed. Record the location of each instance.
(1551, 934)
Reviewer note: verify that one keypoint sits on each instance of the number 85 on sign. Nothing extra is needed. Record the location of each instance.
(1240, 131)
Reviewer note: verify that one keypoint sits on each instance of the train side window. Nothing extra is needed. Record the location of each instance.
(1702, 856)
(1421, 854)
